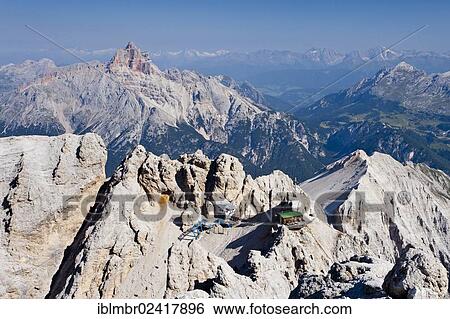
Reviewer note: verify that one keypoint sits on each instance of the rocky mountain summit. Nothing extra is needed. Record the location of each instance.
(353, 256)
(412, 88)
(130, 101)
(145, 244)
(401, 111)
(390, 206)
(374, 228)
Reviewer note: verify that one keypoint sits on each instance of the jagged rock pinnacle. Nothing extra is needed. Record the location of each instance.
(403, 66)
(131, 45)
(130, 58)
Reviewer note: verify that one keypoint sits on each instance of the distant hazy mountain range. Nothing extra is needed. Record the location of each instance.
(313, 58)
(291, 77)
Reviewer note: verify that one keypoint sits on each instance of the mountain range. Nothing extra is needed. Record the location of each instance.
(122, 180)
(401, 111)
(293, 77)
(130, 101)
(374, 228)
(312, 58)
(289, 77)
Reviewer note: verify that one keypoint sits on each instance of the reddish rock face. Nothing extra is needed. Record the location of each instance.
(131, 57)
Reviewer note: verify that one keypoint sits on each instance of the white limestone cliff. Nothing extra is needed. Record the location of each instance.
(41, 182)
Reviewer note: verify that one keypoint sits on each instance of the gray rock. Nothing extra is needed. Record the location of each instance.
(131, 243)
(348, 279)
(193, 294)
(417, 274)
(121, 253)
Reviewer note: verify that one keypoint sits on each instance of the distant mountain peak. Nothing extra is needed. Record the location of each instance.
(324, 55)
(403, 66)
(131, 58)
(131, 45)
(382, 53)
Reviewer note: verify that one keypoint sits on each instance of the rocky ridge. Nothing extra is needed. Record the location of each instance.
(388, 205)
(130, 101)
(113, 265)
(332, 263)
(413, 88)
(401, 111)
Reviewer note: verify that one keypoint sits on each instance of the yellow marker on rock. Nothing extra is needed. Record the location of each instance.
(164, 199)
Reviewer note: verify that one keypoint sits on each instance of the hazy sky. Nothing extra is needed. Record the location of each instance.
(243, 25)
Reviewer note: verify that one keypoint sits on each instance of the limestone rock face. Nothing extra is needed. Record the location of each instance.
(281, 189)
(193, 179)
(270, 273)
(386, 204)
(188, 267)
(358, 277)
(121, 248)
(228, 177)
(193, 294)
(42, 180)
(134, 250)
(417, 274)
(191, 267)
(130, 58)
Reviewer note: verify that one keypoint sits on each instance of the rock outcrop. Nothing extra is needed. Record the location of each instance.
(388, 204)
(358, 277)
(193, 181)
(417, 274)
(42, 182)
(130, 58)
(129, 245)
(271, 273)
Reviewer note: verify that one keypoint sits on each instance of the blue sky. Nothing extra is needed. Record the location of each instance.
(235, 25)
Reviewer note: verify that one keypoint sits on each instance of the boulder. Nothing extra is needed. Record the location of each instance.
(359, 277)
(417, 274)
